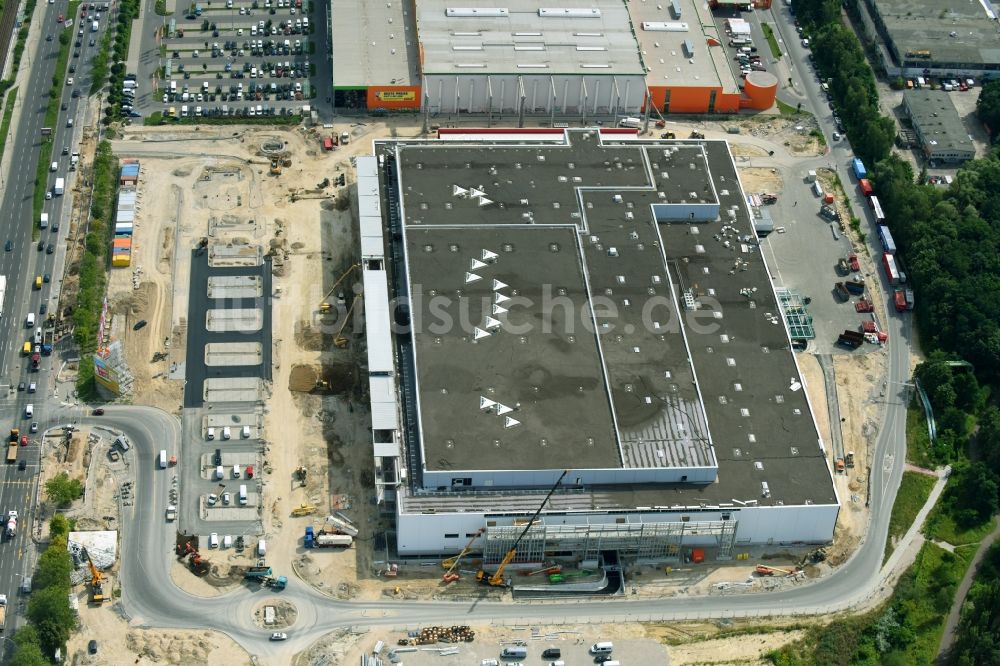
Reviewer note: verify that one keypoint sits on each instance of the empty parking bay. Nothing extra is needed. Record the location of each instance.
(235, 286)
(235, 320)
(233, 389)
(233, 353)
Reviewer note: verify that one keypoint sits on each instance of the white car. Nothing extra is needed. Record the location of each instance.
(279, 636)
(212, 499)
(226, 498)
(69, 81)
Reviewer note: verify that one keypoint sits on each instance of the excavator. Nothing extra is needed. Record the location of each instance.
(450, 576)
(324, 306)
(339, 340)
(496, 578)
(96, 583)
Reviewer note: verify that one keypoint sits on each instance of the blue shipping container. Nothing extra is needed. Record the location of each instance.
(859, 169)
(888, 244)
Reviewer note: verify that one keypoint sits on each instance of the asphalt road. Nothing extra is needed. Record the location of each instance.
(18, 488)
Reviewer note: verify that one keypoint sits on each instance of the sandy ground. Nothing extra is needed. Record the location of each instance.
(761, 179)
(317, 400)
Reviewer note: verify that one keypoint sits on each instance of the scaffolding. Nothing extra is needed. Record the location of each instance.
(797, 317)
(641, 541)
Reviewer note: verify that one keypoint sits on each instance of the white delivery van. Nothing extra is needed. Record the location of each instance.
(243, 494)
(210, 434)
(261, 548)
(220, 472)
(29, 321)
(54, 166)
(605, 647)
(236, 471)
(226, 433)
(163, 459)
(629, 122)
(38, 335)
(29, 410)
(514, 652)
(43, 220)
(213, 540)
(246, 432)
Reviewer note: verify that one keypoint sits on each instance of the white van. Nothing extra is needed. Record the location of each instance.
(163, 458)
(226, 433)
(54, 167)
(514, 652)
(236, 471)
(261, 548)
(629, 122)
(210, 433)
(213, 540)
(38, 335)
(173, 87)
(246, 432)
(220, 472)
(602, 648)
(29, 321)
(243, 494)
(29, 410)
(43, 221)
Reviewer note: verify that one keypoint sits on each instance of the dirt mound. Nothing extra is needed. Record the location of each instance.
(336, 379)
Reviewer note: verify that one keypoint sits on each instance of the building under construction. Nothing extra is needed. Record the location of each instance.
(545, 300)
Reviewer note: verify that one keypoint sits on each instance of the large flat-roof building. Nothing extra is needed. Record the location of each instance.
(588, 302)
(939, 129)
(607, 58)
(926, 38)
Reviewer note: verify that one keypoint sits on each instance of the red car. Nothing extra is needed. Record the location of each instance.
(60, 19)
(24, 440)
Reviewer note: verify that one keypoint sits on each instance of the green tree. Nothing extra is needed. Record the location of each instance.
(971, 497)
(54, 566)
(63, 490)
(52, 616)
(988, 105)
(28, 651)
(59, 526)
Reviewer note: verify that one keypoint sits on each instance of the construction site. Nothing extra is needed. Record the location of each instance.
(345, 505)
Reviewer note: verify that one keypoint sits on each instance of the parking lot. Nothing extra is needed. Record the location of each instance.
(239, 59)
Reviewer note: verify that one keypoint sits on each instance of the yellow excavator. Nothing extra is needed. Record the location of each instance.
(496, 578)
(96, 584)
(339, 340)
(324, 306)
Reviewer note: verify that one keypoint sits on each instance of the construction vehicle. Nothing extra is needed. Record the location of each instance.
(342, 526)
(339, 341)
(839, 465)
(557, 578)
(96, 583)
(496, 578)
(12, 445)
(300, 475)
(199, 565)
(849, 459)
(303, 510)
(263, 576)
(765, 570)
(326, 307)
(275, 167)
(452, 562)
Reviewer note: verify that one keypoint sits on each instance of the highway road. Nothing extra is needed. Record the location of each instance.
(24, 261)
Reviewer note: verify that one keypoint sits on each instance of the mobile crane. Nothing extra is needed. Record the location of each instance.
(496, 578)
(452, 562)
(324, 306)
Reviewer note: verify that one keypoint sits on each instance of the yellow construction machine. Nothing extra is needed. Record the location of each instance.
(324, 306)
(96, 583)
(303, 510)
(452, 562)
(496, 579)
(339, 340)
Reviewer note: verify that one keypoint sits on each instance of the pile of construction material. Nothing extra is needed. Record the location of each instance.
(431, 635)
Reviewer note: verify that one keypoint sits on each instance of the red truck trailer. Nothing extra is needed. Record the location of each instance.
(866, 187)
(899, 297)
(891, 270)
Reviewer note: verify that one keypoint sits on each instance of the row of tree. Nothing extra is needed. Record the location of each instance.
(950, 240)
(51, 618)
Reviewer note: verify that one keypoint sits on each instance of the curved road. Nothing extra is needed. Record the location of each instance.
(151, 599)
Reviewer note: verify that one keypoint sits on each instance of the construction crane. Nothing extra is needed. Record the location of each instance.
(452, 562)
(96, 583)
(496, 579)
(324, 306)
(339, 340)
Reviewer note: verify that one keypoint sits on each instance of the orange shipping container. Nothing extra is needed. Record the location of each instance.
(122, 243)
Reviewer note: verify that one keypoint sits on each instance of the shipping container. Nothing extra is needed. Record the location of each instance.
(891, 271)
(121, 260)
(900, 300)
(859, 168)
(852, 339)
(123, 229)
(877, 211)
(119, 243)
(866, 187)
(885, 237)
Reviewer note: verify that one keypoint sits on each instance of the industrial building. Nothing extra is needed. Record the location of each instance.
(938, 127)
(923, 38)
(516, 58)
(547, 300)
